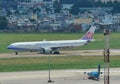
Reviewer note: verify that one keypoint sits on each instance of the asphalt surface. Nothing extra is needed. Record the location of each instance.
(113, 52)
(57, 76)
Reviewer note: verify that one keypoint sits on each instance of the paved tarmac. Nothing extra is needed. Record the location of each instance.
(57, 76)
(113, 52)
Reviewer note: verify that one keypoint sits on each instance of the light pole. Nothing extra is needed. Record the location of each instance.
(106, 56)
(49, 66)
(106, 24)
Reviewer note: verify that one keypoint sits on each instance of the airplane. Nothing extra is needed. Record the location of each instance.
(51, 47)
(94, 75)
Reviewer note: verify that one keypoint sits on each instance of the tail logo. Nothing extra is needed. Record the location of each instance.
(89, 35)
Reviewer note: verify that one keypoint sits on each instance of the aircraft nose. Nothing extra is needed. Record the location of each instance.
(9, 47)
(13, 47)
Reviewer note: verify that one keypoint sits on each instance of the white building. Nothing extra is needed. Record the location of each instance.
(48, 3)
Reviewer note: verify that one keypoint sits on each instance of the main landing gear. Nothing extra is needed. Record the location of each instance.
(16, 53)
(55, 51)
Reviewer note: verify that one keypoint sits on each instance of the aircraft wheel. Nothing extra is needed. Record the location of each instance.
(89, 77)
(56, 52)
(43, 51)
(16, 52)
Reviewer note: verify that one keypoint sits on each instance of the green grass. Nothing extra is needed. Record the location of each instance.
(70, 62)
(41, 63)
(8, 38)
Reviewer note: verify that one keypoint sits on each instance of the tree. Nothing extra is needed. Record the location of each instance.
(81, 3)
(99, 3)
(74, 10)
(3, 23)
(9, 12)
(35, 10)
(116, 7)
(68, 1)
(109, 4)
(17, 12)
(84, 3)
(57, 6)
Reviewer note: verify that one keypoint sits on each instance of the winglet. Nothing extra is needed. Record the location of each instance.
(89, 35)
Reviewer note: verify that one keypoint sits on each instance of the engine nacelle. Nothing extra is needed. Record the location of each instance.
(47, 51)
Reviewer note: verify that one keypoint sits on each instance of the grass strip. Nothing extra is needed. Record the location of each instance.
(68, 62)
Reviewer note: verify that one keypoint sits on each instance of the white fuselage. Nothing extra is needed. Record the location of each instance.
(53, 46)
(47, 45)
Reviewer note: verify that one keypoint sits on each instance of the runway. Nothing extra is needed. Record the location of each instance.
(113, 52)
(58, 76)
